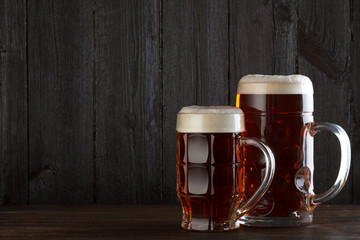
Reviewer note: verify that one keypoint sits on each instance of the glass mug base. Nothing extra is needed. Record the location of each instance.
(298, 219)
(204, 224)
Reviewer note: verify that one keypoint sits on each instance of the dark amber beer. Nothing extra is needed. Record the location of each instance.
(214, 187)
(210, 168)
(279, 111)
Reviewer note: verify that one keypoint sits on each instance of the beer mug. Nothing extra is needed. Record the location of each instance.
(210, 167)
(279, 111)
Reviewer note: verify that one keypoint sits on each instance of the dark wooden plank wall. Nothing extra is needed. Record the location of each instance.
(354, 91)
(128, 102)
(90, 89)
(60, 87)
(14, 103)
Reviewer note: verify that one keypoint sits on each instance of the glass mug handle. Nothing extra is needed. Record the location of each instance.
(268, 176)
(345, 162)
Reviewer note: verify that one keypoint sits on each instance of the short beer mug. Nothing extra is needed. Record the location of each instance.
(279, 111)
(210, 168)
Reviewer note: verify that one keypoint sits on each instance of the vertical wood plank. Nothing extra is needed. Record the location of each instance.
(251, 40)
(355, 101)
(324, 48)
(195, 68)
(145, 71)
(13, 103)
(60, 43)
(128, 102)
(285, 36)
(263, 39)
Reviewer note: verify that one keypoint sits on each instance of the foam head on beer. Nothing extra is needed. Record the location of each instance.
(210, 119)
(275, 84)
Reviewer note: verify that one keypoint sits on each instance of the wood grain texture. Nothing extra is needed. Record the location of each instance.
(263, 39)
(251, 40)
(159, 222)
(128, 102)
(324, 37)
(285, 36)
(60, 43)
(354, 92)
(13, 103)
(90, 89)
(195, 68)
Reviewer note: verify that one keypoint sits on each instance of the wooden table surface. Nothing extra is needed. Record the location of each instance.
(157, 222)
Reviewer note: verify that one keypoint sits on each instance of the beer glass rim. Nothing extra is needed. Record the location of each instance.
(275, 84)
(210, 119)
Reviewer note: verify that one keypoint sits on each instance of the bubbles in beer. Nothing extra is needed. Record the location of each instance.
(290, 154)
(278, 131)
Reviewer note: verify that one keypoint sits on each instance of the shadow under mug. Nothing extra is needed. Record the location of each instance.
(285, 122)
(210, 168)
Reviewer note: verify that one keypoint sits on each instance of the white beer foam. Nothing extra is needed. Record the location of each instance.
(275, 84)
(210, 119)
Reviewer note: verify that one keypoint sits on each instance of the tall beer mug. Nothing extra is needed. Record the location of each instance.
(210, 168)
(279, 111)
